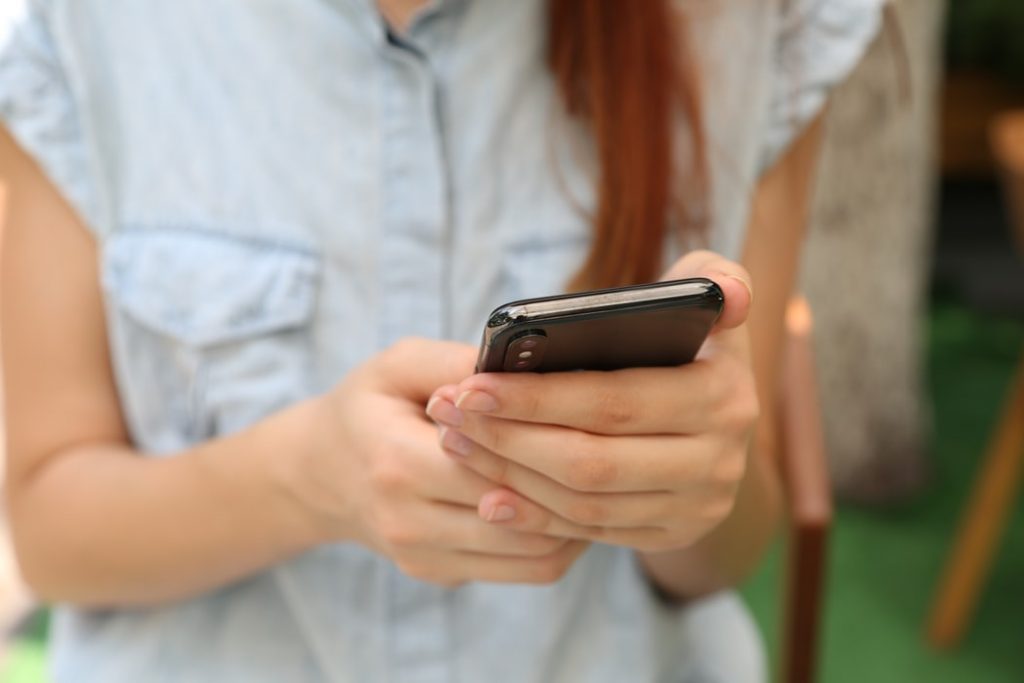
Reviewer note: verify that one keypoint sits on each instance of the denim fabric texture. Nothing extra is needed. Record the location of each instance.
(281, 188)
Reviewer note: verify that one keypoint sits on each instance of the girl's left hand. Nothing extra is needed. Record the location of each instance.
(650, 458)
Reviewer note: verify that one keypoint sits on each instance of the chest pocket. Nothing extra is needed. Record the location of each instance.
(209, 332)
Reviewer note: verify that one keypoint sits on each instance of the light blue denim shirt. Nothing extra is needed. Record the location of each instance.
(279, 190)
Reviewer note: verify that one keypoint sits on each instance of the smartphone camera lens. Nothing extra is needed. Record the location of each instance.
(526, 351)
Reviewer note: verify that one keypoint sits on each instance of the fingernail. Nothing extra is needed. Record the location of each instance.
(501, 513)
(750, 290)
(477, 401)
(455, 442)
(443, 411)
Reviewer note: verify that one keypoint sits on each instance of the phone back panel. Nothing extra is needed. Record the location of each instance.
(661, 333)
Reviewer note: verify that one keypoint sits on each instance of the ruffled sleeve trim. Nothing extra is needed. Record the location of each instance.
(820, 43)
(38, 108)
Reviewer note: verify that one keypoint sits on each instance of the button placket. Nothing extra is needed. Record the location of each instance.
(415, 225)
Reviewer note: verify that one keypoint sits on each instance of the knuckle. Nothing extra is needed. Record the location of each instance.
(701, 256)
(692, 261)
(396, 533)
(716, 383)
(489, 434)
(390, 359)
(732, 394)
(587, 512)
(719, 508)
(612, 409)
(744, 407)
(729, 471)
(529, 403)
(535, 521)
(589, 469)
(403, 348)
(661, 512)
(500, 472)
(388, 477)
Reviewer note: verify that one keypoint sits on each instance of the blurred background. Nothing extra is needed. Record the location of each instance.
(923, 166)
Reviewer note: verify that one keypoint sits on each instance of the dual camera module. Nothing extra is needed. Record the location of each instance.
(525, 351)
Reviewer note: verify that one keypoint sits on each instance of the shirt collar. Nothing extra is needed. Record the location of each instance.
(369, 11)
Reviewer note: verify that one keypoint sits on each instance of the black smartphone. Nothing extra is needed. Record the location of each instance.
(660, 324)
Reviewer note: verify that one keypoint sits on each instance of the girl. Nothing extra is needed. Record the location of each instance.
(238, 233)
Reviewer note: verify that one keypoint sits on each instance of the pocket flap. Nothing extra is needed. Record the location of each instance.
(209, 288)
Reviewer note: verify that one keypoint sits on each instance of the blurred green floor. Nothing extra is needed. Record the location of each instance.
(883, 564)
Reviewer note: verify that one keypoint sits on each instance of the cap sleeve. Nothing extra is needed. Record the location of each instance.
(37, 106)
(819, 43)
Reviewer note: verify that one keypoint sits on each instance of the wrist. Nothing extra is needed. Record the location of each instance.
(307, 493)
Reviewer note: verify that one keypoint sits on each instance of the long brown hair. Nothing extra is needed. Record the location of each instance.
(622, 69)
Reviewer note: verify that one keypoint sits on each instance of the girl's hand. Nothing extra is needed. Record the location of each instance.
(650, 458)
(376, 475)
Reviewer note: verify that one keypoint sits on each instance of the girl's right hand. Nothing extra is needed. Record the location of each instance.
(373, 473)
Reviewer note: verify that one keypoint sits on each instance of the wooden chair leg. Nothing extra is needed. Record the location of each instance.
(982, 524)
(804, 470)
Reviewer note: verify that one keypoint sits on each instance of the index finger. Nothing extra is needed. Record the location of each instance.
(677, 400)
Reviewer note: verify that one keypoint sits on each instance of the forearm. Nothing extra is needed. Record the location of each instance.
(729, 553)
(771, 254)
(100, 525)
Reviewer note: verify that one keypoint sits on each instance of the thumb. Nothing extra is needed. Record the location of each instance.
(731, 277)
(414, 367)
